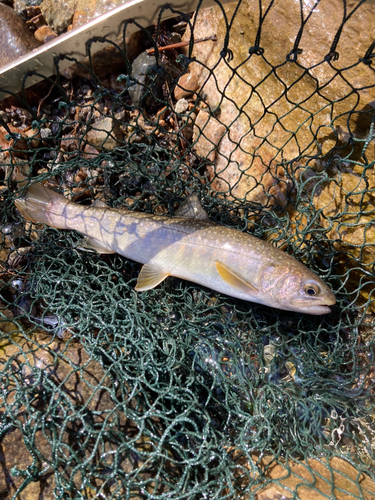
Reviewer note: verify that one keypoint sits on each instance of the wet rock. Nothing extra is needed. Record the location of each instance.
(150, 78)
(21, 5)
(105, 133)
(15, 454)
(17, 140)
(269, 124)
(63, 393)
(186, 86)
(305, 479)
(354, 197)
(58, 13)
(181, 106)
(206, 135)
(87, 10)
(317, 479)
(44, 34)
(19, 117)
(75, 376)
(353, 234)
(16, 38)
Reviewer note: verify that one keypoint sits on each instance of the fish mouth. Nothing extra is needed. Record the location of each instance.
(316, 309)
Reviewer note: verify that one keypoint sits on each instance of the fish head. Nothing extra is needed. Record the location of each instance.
(296, 288)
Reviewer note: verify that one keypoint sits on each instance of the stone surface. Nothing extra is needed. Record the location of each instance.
(87, 10)
(353, 234)
(186, 86)
(58, 13)
(206, 135)
(21, 5)
(181, 106)
(105, 133)
(44, 34)
(147, 91)
(310, 479)
(83, 390)
(313, 479)
(267, 123)
(57, 359)
(349, 194)
(16, 38)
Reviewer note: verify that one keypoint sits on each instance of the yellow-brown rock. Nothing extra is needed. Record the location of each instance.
(315, 479)
(105, 133)
(354, 197)
(207, 135)
(187, 85)
(282, 113)
(80, 385)
(311, 479)
(353, 233)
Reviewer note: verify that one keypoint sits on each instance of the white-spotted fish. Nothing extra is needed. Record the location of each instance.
(188, 246)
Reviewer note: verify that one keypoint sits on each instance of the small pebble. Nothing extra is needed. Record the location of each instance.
(58, 13)
(181, 106)
(186, 86)
(105, 133)
(45, 133)
(44, 34)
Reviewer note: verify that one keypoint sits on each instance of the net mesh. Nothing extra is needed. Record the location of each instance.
(181, 392)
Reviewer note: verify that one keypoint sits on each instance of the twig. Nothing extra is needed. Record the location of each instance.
(181, 44)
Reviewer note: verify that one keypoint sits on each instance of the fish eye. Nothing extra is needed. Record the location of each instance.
(311, 289)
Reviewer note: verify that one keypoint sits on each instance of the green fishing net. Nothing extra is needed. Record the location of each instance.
(181, 392)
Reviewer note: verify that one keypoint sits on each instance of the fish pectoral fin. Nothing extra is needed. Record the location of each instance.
(90, 244)
(233, 279)
(149, 277)
(192, 208)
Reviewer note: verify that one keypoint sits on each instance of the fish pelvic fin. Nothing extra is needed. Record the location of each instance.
(38, 203)
(88, 244)
(149, 277)
(233, 279)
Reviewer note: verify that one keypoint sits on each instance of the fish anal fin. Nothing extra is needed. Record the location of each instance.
(192, 208)
(90, 244)
(233, 279)
(149, 277)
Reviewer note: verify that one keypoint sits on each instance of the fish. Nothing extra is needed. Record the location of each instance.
(188, 246)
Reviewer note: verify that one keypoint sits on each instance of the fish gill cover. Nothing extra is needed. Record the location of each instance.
(181, 392)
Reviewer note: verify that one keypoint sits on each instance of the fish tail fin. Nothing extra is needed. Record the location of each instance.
(42, 206)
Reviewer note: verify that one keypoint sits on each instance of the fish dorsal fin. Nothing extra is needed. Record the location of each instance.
(101, 204)
(149, 277)
(233, 279)
(192, 208)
